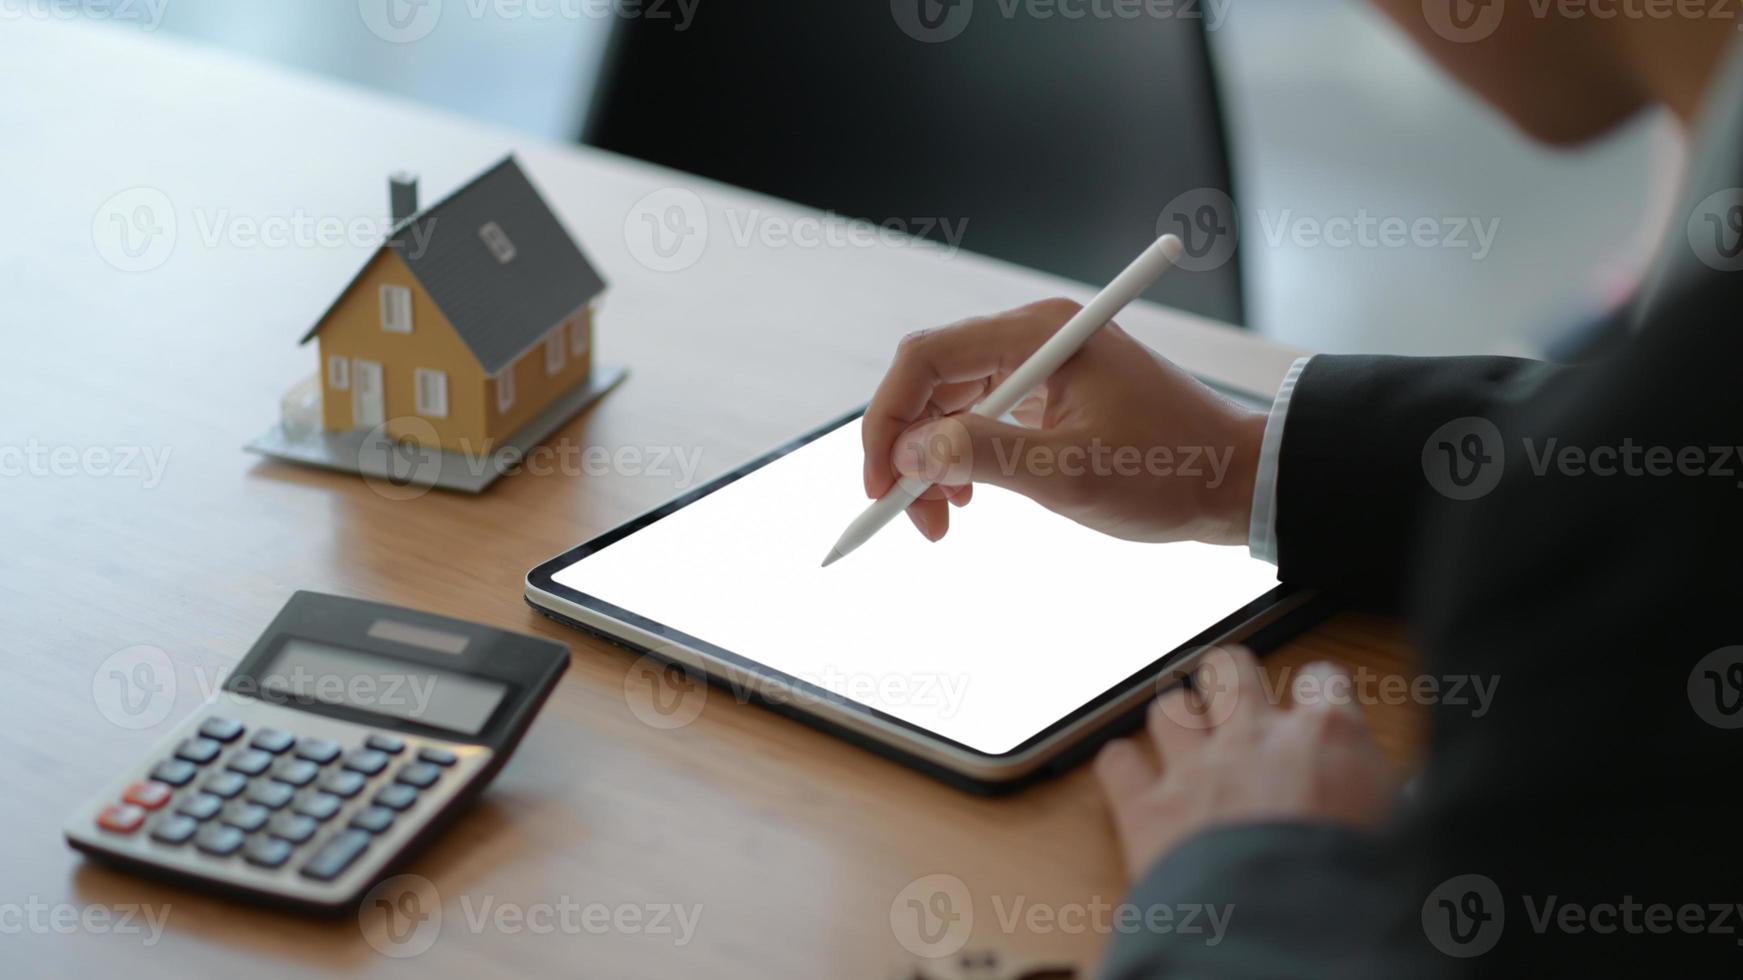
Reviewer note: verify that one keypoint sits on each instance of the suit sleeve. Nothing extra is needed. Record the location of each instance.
(1264, 900)
(1353, 483)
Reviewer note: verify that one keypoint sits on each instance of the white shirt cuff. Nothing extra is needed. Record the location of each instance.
(1262, 532)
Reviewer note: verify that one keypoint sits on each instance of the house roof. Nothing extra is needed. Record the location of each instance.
(500, 309)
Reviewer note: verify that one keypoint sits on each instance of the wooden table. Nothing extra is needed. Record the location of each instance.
(793, 844)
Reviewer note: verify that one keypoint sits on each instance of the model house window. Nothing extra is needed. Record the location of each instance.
(497, 241)
(338, 373)
(505, 389)
(579, 336)
(432, 393)
(554, 356)
(396, 309)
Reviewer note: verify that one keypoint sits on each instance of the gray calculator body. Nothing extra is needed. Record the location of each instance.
(347, 736)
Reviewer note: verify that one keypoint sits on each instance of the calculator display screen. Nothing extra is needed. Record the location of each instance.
(382, 685)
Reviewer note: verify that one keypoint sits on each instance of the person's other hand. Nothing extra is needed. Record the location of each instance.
(1119, 439)
(1225, 754)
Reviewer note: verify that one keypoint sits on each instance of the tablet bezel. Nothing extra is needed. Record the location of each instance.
(910, 742)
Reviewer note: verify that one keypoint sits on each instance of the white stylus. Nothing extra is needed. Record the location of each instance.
(1143, 271)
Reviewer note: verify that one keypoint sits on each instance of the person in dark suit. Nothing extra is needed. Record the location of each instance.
(1565, 539)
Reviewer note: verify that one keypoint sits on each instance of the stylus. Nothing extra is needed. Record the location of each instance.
(1097, 313)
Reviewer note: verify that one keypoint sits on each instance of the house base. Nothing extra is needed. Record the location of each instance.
(405, 468)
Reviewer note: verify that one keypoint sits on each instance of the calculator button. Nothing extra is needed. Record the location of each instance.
(200, 806)
(331, 860)
(293, 827)
(419, 774)
(321, 806)
(174, 829)
(297, 772)
(198, 751)
(243, 815)
(225, 784)
(342, 782)
(396, 795)
(366, 761)
(272, 740)
(440, 757)
(270, 794)
(176, 772)
(385, 743)
(249, 762)
(317, 750)
(221, 729)
(215, 838)
(122, 818)
(267, 852)
(147, 794)
(375, 819)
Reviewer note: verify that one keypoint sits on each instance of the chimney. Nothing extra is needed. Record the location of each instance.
(402, 195)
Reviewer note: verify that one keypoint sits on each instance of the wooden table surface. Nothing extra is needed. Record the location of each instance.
(132, 518)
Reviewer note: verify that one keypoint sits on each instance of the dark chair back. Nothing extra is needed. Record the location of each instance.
(1059, 144)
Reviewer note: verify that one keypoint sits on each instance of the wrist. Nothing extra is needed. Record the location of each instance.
(1230, 503)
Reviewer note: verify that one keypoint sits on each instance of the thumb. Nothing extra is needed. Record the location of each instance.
(963, 449)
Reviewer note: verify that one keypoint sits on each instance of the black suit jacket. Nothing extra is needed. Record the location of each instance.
(1572, 537)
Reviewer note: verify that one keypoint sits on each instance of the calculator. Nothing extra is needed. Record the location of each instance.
(344, 739)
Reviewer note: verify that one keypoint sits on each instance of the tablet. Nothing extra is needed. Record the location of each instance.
(1010, 647)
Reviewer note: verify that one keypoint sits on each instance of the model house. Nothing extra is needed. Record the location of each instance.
(474, 316)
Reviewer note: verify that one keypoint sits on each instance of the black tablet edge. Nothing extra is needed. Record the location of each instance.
(542, 579)
(1261, 642)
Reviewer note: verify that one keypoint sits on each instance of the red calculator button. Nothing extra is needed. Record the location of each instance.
(122, 818)
(148, 794)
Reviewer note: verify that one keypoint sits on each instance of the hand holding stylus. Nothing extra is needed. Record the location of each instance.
(1116, 437)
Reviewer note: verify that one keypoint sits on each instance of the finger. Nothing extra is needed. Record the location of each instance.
(1324, 685)
(1220, 688)
(1032, 410)
(981, 350)
(1239, 693)
(1175, 726)
(931, 516)
(963, 449)
(961, 396)
(961, 496)
(1124, 772)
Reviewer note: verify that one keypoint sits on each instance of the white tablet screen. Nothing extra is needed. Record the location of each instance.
(1017, 618)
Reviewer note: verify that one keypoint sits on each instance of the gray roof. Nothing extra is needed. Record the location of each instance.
(501, 309)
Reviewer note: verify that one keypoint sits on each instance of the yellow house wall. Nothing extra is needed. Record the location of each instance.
(534, 388)
(353, 331)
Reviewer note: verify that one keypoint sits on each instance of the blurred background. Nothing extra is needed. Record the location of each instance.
(1060, 143)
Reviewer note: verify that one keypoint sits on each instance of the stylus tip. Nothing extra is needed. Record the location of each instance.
(834, 556)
